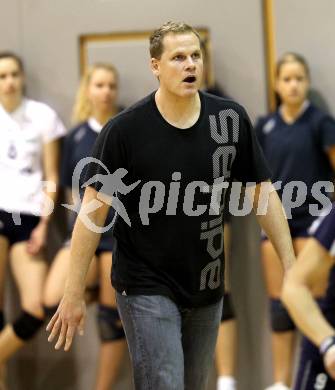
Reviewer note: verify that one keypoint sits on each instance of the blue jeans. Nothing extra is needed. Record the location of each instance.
(171, 348)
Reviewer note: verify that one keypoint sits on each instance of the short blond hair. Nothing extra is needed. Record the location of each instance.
(82, 109)
(156, 38)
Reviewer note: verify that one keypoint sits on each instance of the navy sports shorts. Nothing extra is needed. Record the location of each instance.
(17, 232)
(105, 244)
(323, 230)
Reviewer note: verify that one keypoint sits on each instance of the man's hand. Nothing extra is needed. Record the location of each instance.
(69, 317)
(329, 361)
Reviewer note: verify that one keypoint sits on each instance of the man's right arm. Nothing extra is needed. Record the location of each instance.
(70, 314)
(85, 240)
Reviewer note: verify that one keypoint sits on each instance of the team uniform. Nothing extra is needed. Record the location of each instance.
(78, 145)
(23, 133)
(297, 152)
(168, 265)
(311, 372)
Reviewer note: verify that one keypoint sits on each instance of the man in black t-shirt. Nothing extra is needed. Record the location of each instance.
(169, 159)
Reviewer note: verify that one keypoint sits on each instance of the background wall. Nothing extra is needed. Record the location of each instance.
(306, 27)
(45, 33)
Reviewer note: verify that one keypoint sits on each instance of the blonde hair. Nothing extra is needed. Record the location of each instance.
(82, 108)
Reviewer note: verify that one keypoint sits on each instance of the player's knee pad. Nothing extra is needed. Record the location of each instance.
(280, 319)
(228, 312)
(49, 311)
(109, 324)
(2, 320)
(27, 325)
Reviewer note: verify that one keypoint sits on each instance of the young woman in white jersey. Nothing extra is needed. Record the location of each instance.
(29, 133)
(96, 103)
(299, 142)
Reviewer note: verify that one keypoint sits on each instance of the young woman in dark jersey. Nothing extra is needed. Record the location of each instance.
(96, 103)
(298, 141)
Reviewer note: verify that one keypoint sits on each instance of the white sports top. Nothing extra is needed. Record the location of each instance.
(22, 135)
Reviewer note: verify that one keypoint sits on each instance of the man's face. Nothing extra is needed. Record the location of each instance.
(180, 67)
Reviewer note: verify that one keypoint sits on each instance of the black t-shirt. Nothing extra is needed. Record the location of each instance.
(179, 253)
(298, 151)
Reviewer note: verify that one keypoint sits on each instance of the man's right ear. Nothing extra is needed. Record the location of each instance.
(154, 64)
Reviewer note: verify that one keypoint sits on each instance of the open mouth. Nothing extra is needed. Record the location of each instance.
(190, 79)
